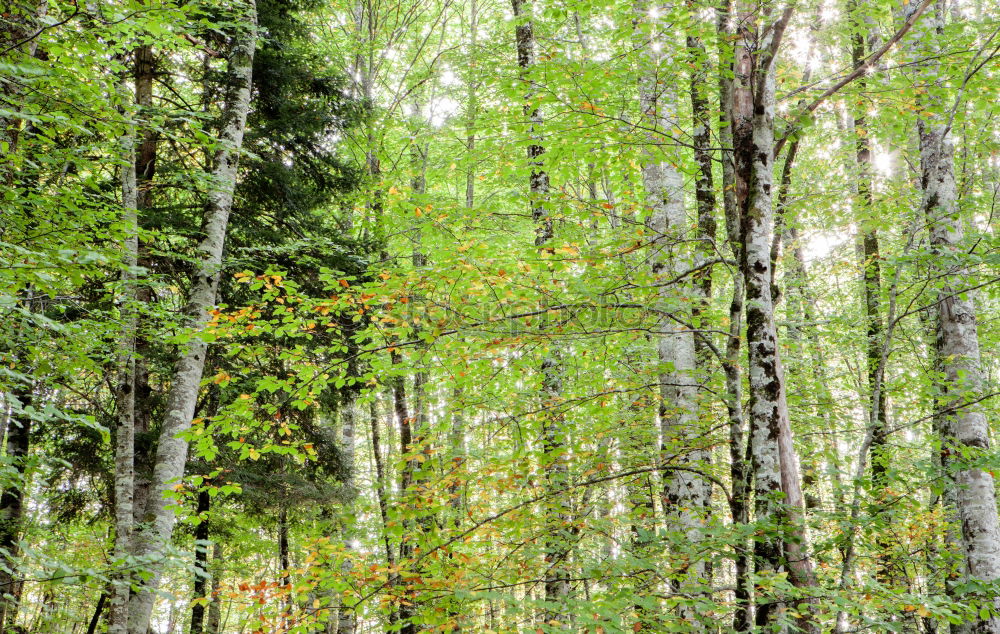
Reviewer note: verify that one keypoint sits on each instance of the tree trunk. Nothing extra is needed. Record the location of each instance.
(182, 398)
(145, 170)
(775, 465)
(869, 253)
(12, 504)
(215, 607)
(471, 109)
(125, 391)
(739, 468)
(98, 610)
(283, 561)
(965, 428)
(685, 494)
(201, 535)
(346, 617)
(553, 426)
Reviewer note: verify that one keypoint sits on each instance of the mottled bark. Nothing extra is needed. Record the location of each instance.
(201, 535)
(171, 454)
(739, 470)
(775, 465)
(964, 428)
(685, 494)
(964, 424)
(346, 622)
(553, 426)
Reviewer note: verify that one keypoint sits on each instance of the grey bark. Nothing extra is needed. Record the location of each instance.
(154, 536)
(346, 622)
(775, 465)
(686, 495)
(554, 430)
(963, 424)
(738, 463)
(215, 607)
(125, 392)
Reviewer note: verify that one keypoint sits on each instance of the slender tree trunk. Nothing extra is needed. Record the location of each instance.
(125, 391)
(739, 468)
(12, 503)
(215, 607)
(182, 397)
(471, 108)
(95, 620)
(685, 494)
(283, 561)
(145, 170)
(869, 253)
(554, 432)
(707, 229)
(407, 610)
(346, 617)
(201, 535)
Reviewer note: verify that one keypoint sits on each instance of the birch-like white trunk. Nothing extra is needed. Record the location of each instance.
(964, 426)
(686, 495)
(962, 423)
(154, 536)
(775, 464)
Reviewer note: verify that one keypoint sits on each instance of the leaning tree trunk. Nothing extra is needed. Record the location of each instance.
(554, 430)
(171, 455)
(964, 426)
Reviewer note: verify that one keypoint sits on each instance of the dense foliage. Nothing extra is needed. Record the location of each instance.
(540, 316)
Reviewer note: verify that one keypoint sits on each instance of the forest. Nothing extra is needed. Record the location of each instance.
(490, 316)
